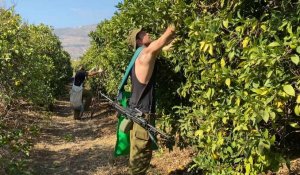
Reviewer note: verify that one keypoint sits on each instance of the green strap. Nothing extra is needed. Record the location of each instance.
(129, 67)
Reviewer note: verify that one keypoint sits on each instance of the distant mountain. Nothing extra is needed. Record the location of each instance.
(75, 40)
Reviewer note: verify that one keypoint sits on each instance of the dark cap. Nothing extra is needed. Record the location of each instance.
(132, 37)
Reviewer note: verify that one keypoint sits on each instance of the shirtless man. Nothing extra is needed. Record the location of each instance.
(142, 98)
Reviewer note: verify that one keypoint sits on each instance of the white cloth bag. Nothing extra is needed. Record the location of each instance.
(76, 96)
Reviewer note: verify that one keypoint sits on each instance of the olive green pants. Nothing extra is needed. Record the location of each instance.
(87, 96)
(140, 149)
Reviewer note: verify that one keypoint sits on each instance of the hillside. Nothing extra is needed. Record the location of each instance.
(75, 40)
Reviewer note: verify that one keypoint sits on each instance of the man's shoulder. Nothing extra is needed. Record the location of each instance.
(81, 73)
(146, 52)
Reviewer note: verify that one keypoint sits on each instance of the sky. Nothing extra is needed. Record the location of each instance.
(63, 13)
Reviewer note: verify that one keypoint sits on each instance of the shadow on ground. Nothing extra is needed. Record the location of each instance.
(83, 162)
(67, 146)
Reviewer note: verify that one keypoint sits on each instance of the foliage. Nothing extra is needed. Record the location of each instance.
(34, 69)
(15, 145)
(33, 64)
(243, 93)
(234, 65)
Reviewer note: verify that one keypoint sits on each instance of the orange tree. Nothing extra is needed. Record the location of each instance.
(33, 64)
(33, 68)
(230, 83)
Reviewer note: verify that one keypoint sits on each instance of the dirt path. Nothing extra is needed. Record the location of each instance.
(69, 147)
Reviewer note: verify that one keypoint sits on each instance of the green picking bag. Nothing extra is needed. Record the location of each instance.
(122, 147)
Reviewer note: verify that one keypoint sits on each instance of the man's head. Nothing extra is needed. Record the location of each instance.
(138, 37)
(81, 68)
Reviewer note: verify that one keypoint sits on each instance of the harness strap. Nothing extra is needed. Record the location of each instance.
(128, 69)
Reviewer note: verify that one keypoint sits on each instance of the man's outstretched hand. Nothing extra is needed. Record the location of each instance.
(100, 70)
(172, 27)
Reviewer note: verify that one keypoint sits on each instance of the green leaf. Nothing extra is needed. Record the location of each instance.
(297, 110)
(209, 93)
(227, 82)
(229, 149)
(237, 160)
(223, 63)
(261, 146)
(199, 133)
(245, 42)
(290, 28)
(264, 27)
(294, 125)
(248, 167)
(239, 29)
(274, 44)
(224, 120)
(202, 43)
(250, 160)
(289, 90)
(231, 55)
(211, 50)
(298, 49)
(272, 115)
(283, 25)
(295, 59)
(238, 101)
(269, 74)
(273, 139)
(262, 91)
(225, 23)
(266, 116)
(205, 47)
(222, 3)
(177, 68)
